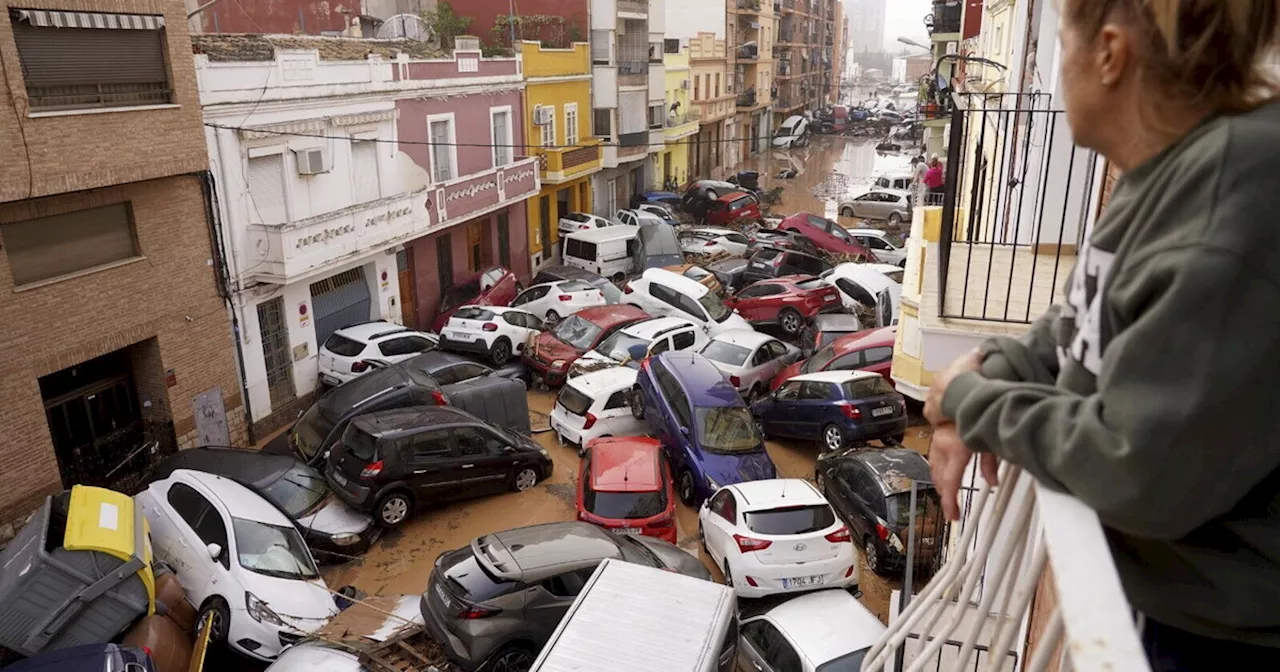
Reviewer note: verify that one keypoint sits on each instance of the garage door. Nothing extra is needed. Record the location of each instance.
(339, 301)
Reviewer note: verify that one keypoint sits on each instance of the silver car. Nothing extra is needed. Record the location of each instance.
(749, 359)
(893, 205)
(496, 602)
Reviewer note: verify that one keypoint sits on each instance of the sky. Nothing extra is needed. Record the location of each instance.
(905, 18)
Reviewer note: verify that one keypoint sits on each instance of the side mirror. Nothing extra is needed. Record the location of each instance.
(215, 551)
(508, 449)
(684, 431)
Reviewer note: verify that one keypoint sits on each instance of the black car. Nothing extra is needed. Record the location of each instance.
(612, 294)
(786, 240)
(773, 262)
(871, 490)
(332, 529)
(702, 193)
(394, 462)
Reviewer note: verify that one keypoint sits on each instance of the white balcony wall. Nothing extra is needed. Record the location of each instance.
(657, 82)
(658, 18)
(604, 14)
(604, 86)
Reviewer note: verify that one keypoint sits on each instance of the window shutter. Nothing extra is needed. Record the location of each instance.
(266, 188)
(49, 247)
(76, 68)
(364, 165)
(632, 107)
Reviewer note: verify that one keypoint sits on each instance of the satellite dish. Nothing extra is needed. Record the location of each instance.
(405, 27)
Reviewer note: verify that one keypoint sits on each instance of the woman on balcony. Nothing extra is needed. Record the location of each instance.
(1152, 391)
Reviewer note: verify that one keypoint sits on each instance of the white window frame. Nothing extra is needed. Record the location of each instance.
(571, 136)
(453, 144)
(370, 137)
(511, 136)
(549, 141)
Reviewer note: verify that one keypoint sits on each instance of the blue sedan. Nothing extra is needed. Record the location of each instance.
(833, 408)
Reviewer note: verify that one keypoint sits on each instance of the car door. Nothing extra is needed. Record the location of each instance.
(860, 490)
(199, 525)
(532, 299)
(745, 301)
(721, 523)
(763, 648)
(547, 601)
(462, 372)
(780, 417)
(403, 347)
(692, 310)
(504, 288)
(811, 409)
(430, 468)
(483, 463)
(768, 361)
(663, 299)
(863, 207)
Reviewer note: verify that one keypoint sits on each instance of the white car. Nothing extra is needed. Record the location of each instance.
(824, 630)
(637, 217)
(595, 404)
(749, 359)
(881, 244)
(581, 221)
(554, 300)
(776, 536)
(887, 204)
(239, 558)
(860, 285)
(495, 332)
(653, 335)
(661, 212)
(890, 271)
(714, 241)
(663, 292)
(345, 353)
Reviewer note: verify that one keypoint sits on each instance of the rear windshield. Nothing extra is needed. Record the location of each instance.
(461, 294)
(612, 294)
(469, 577)
(696, 273)
(726, 353)
(623, 504)
(573, 400)
(808, 285)
(575, 286)
(867, 387)
(343, 346)
(766, 254)
(473, 313)
(791, 519)
(359, 445)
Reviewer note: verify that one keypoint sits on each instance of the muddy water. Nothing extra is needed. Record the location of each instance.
(401, 561)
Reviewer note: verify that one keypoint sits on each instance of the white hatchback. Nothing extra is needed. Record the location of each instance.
(714, 241)
(495, 332)
(554, 300)
(654, 335)
(881, 244)
(238, 558)
(581, 221)
(749, 359)
(595, 404)
(663, 292)
(777, 536)
(346, 353)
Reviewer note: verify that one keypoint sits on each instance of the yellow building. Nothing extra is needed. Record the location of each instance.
(715, 104)
(558, 97)
(681, 123)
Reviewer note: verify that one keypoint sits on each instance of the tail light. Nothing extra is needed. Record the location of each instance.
(752, 582)
(566, 297)
(882, 532)
(489, 326)
(439, 398)
(359, 367)
(735, 381)
(749, 544)
(474, 612)
(840, 536)
(627, 288)
(849, 572)
(850, 411)
(147, 650)
(591, 421)
(710, 243)
(371, 470)
(583, 227)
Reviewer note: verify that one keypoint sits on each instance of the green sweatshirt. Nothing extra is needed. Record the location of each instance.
(1152, 391)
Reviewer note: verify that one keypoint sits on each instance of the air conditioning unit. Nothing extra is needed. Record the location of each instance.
(542, 116)
(684, 84)
(312, 161)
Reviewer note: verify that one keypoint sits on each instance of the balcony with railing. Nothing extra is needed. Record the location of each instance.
(748, 98)
(749, 51)
(749, 6)
(561, 164)
(680, 126)
(634, 8)
(945, 19)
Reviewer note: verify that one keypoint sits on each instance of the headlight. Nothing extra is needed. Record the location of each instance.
(345, 539)
(559, 363)
(544, 453)
(259, 610)
(711, 483)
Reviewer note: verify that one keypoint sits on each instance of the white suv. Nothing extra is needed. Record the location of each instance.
(594, 405)
(346, 354)
(654, 335)
(663, 292)
(494, 332)
(554, 300)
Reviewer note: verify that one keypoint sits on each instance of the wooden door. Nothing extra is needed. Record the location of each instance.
(408, 300)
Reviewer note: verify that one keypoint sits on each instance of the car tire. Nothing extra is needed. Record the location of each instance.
(832, 438)
(686, 489)
(846, 212)
(524, 478)
(899, 437)
(871, 554)
(221, 619)
(500, 353)
(895, 219)
(553, 318)
(393, 508)
(790, 321)
(754, 394)
(637, 403)
(514, 658)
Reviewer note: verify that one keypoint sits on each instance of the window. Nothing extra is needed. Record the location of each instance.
(877, 355)
(655, 116)
(504, 240)
(717, 95)
(59, 245)
(476, 443)
(430, 445)
(568, 584)
(67, 67)
(364, 170)
(817, 391)
(618, 400)
(697, 87)
(682, 340)
(670, 46)
(571, 124)
(725, 506)
(601, 122)
(266, 188)
(600, 47)
(549, 129)
(402, 346)
(789, 392)
(444, 262)
(500, 128)
(444, 155)
(187, 503)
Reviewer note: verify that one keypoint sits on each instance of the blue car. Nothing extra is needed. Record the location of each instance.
(834, 408)
(89, 658)
(706, 430)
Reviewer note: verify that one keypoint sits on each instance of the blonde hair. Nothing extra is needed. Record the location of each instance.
(1209, 53)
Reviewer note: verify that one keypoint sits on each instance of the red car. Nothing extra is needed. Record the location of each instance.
(826, 234)
(494, 287)
(733, 207)
(554, 351)
(789, 301)
(869, 350)
(624, 485)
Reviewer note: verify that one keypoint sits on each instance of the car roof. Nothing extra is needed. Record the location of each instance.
(836, 322)
(581, 217)
(896, 468)
(886, 190)
(873, 279)
(629, 464)
(827, 624)
(701, 379)
(676, 281)
(535, 552)
(835, 376)
(651, 327)
(255, 467)
(711, 231)
(867, 338)
(370, 331)
(603, 234)
(747, 338)
(733, 196)
(611, 315)
(238, 500)
(776, 492)
(412, 417)
(871, 232)
(604, 381)
(500, 310)
(434, 360)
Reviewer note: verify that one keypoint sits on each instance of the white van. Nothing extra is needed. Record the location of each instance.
(632, 618)
(792, 133)
(609, 251)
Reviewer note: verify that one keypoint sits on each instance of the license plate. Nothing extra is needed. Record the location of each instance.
(444, 598)
(802, 581)
(342, 480)
(830, 298)
(632, 531)
(458, 336)
(884, 410)
(330, 380)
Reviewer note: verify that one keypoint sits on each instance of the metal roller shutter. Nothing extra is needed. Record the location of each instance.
(339, 301)
(79, 67)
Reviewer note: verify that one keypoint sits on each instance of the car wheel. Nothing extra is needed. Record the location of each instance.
(221, 616)
(846, 212)
(753, 395)
(552, 318)
(832, 437)
(394, 508)
(791, 321)
(500, 353)
(685, 488)
(895, 219)
(523, 479)
(872, 555)
(511, 659)
(637, 403)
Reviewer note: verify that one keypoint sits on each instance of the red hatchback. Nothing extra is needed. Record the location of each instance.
(554, 351)
(868, 350)
(734, 207)
(494, 287)
(826, 234)
(788, 301)
(624, 485)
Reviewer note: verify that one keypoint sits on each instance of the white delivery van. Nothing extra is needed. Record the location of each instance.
(632, 618)
(792, 133)
(608, 251)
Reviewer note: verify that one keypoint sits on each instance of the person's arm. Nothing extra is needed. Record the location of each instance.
(1184, 421)
(1030, 358)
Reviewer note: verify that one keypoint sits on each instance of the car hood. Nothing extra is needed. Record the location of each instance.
(786, 374)
(550, 348)
(335, 517)
(726, 469)
(304, 605)
(674, 558)
(735, 321)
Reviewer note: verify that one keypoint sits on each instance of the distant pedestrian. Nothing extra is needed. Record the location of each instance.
(933, 177)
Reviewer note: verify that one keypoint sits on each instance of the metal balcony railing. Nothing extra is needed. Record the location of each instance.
(747, 99)
(946, 17)
(749, 5)
(749, 52)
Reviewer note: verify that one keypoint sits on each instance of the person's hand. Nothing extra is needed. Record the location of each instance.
(971, 361)
(948, 458)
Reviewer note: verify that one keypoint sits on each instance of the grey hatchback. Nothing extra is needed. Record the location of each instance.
(498, 601)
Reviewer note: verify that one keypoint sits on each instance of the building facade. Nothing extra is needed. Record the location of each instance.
(557, 100)
(752, 28)
(110, 287)
(681, 122)
(800, 51)
(358, 180)
(716, 142)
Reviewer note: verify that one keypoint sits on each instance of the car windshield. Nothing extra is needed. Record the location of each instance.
(790, 519)
(715, 307)
(849, 662)
(728, 429)
(298, 491)
(618, 345)
(726, 353)
(574, 400)
(819, 359)
(577, 332)
(461, 294)
(272, 550)
(612, 294)
(314, 425)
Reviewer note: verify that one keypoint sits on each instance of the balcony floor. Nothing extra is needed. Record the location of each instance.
(995, 289)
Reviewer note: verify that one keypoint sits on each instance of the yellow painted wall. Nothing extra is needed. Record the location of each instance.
(676, 153)
(579, 201)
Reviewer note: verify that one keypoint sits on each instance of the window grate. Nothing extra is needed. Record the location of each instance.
(275, 351)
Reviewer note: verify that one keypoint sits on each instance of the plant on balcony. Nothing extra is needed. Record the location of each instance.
(446, 23)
